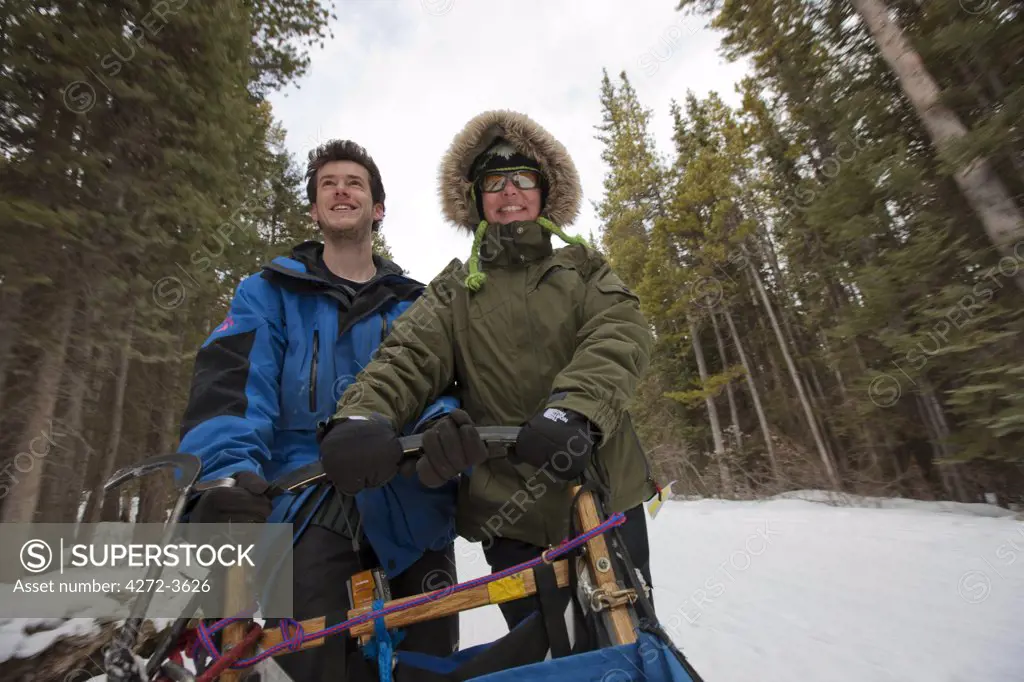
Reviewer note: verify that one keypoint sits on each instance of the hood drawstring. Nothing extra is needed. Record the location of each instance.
(476, 278)
(555, 229)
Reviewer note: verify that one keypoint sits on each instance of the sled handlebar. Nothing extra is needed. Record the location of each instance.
(498, 435)
(411, 446)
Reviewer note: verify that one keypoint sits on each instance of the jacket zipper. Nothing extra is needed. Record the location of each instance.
(383, 325)
(312, 371)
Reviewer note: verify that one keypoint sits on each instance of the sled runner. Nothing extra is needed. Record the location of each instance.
(594, 622)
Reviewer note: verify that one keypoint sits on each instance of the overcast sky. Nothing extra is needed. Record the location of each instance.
(402, 77)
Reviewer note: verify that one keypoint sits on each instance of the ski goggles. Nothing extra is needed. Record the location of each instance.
(494, 181)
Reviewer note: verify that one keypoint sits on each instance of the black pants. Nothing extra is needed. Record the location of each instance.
(323, 562)
(504, 553)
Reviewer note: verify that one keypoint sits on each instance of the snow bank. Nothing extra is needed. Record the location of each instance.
(26, 637)
(791, 589)
(864, 502)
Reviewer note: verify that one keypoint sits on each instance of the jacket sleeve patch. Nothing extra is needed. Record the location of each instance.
(220, 377)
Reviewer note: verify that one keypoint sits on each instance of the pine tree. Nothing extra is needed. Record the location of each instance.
(877, 265)
(132, 143)
(977, 179)
(380, 246)
(633, 188)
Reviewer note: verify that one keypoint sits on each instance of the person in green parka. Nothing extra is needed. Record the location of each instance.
(529, 335)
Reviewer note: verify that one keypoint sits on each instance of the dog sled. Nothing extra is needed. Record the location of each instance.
(595, 620)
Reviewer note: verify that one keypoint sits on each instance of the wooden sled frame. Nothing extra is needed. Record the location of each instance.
(366, 589)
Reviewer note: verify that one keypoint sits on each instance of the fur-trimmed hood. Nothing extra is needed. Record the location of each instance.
(565, 193)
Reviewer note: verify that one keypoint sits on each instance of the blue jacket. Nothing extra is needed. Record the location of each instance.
(290, 345)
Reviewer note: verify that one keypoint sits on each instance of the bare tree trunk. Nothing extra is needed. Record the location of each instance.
(768, 253)
(36, 443)
(804, 402)
(937, 448)
(756, 301)
(834, 361)
(124, 512)
(939, 433)
(87, 457)
(10, 314)
(763, 240)
(813, 387)
(834, 365)
(63, 485)
(733, 412)
(787, 327)
(154, 488)
(819, 406)
(869, 434)
(773, 362)
(977, 179)
(936, 433)
(716, 429)
(94, 507)
(755, 396)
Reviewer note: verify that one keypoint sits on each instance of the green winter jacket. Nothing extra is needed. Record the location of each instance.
(547, 327)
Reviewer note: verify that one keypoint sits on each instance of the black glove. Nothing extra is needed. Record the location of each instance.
(562, 440)
(245, 502)
(450, 446)
(360, 453)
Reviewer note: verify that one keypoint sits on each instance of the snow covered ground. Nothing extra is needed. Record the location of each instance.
(14, 643)
(795, 589)
(790, 589)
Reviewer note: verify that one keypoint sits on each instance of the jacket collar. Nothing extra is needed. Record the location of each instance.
(310, 254)
(514, 244)
(300, 274)
(303, 267)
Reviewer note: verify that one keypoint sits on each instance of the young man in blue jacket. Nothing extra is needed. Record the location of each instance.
(295, 337)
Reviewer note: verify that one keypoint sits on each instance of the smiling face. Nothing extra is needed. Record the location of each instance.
(344, 204)
(511, 204)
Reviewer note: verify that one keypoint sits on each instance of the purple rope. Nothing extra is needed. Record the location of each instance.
(293, 642)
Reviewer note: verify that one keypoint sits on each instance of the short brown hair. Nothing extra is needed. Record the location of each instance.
(344, 150)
